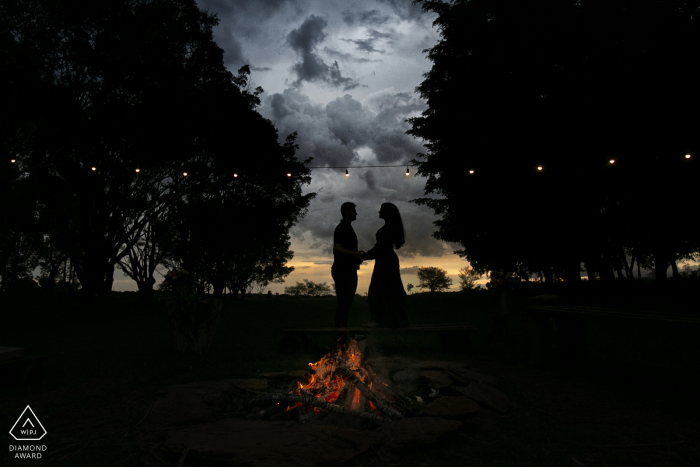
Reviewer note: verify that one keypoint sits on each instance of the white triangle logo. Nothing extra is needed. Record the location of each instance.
(28, 427)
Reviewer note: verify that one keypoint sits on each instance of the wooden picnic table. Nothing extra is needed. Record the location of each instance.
(454, 336)
(559, 331)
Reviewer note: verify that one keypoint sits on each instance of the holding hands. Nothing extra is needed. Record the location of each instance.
(359, 255)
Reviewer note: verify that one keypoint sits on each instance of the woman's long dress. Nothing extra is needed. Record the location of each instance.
(386, 296)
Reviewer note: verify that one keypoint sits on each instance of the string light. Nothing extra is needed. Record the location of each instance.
(347, 173)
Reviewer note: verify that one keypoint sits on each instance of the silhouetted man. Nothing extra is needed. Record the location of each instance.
(346, 262)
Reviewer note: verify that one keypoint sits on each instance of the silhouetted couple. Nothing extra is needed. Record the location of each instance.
(386, 297)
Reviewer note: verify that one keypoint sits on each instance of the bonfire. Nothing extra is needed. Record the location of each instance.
(341, 383)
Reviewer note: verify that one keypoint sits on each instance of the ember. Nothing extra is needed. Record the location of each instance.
(340, 383)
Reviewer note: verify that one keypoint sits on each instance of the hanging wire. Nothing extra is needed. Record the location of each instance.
(346, 167)
(356, 166)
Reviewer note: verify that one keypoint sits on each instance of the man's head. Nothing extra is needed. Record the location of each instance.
(348, 211)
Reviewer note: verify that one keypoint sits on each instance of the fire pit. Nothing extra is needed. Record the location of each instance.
(341, 384)
(340, 407)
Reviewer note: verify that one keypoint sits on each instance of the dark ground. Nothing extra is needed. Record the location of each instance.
(607, 412)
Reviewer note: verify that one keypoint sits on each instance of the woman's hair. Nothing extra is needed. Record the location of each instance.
(395, 224)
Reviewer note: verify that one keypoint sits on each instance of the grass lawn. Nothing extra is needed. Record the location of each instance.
(560, 412)
(122, 338)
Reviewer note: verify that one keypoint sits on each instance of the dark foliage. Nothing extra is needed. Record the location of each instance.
(94, 91)
(568, 86)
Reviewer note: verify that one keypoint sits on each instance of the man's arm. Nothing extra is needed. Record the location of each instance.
(339, 250)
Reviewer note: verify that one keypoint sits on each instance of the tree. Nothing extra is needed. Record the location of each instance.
(433, 278)
(308, 288)
(235, 232)
(114, 86)
(467, 279)
(565, 85)
(409, 287)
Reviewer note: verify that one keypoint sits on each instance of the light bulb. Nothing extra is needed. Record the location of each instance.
(184, 174)
(612, 161)
(471, 171)
(12, 160)
(539, 167)
(289, 174)
(347, 174)
(407, 174)
(93, 169)
(235, 175)
(137, 170)
(687, 156)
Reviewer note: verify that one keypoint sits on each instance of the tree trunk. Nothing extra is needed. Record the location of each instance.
(590, 270)
(218, 289)
(660, 266)
(548, 276)
(51, 282)
(628, 266)
(146, 291)
(674, 268)
(105, 289)
(605, 271)
(15, 264)
(618, 270)
(242, 293)
(573, 272)
(639, 272)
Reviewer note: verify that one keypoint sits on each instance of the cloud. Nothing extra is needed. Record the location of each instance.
(374, 34)
(365, 45)
(346, 56)
(233, 50)
(241, 21)
(364, 17)
(405, 9)
(368, 44)
(347, 132)
(412, 271)
(312, 68)
(334, 133)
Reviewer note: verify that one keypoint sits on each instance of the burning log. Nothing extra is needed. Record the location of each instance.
(340, 383)
(402, 402)
(316, 402)
(367, 392)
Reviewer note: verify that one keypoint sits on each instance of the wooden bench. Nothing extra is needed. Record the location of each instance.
(557, 332)
(15, 367)
(454, 336)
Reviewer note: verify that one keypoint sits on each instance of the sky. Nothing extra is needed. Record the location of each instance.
(343, 76)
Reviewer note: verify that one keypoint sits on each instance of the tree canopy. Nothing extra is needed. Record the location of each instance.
(94, 91)
(433, 278)
(566, 86)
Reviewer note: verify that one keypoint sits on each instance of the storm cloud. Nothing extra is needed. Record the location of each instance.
(312, 68)
(365, 17)
(345, 133)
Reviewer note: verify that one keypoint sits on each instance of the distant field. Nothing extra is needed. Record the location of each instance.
(122, 338)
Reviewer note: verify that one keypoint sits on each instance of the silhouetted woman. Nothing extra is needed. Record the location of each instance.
(386, 296)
